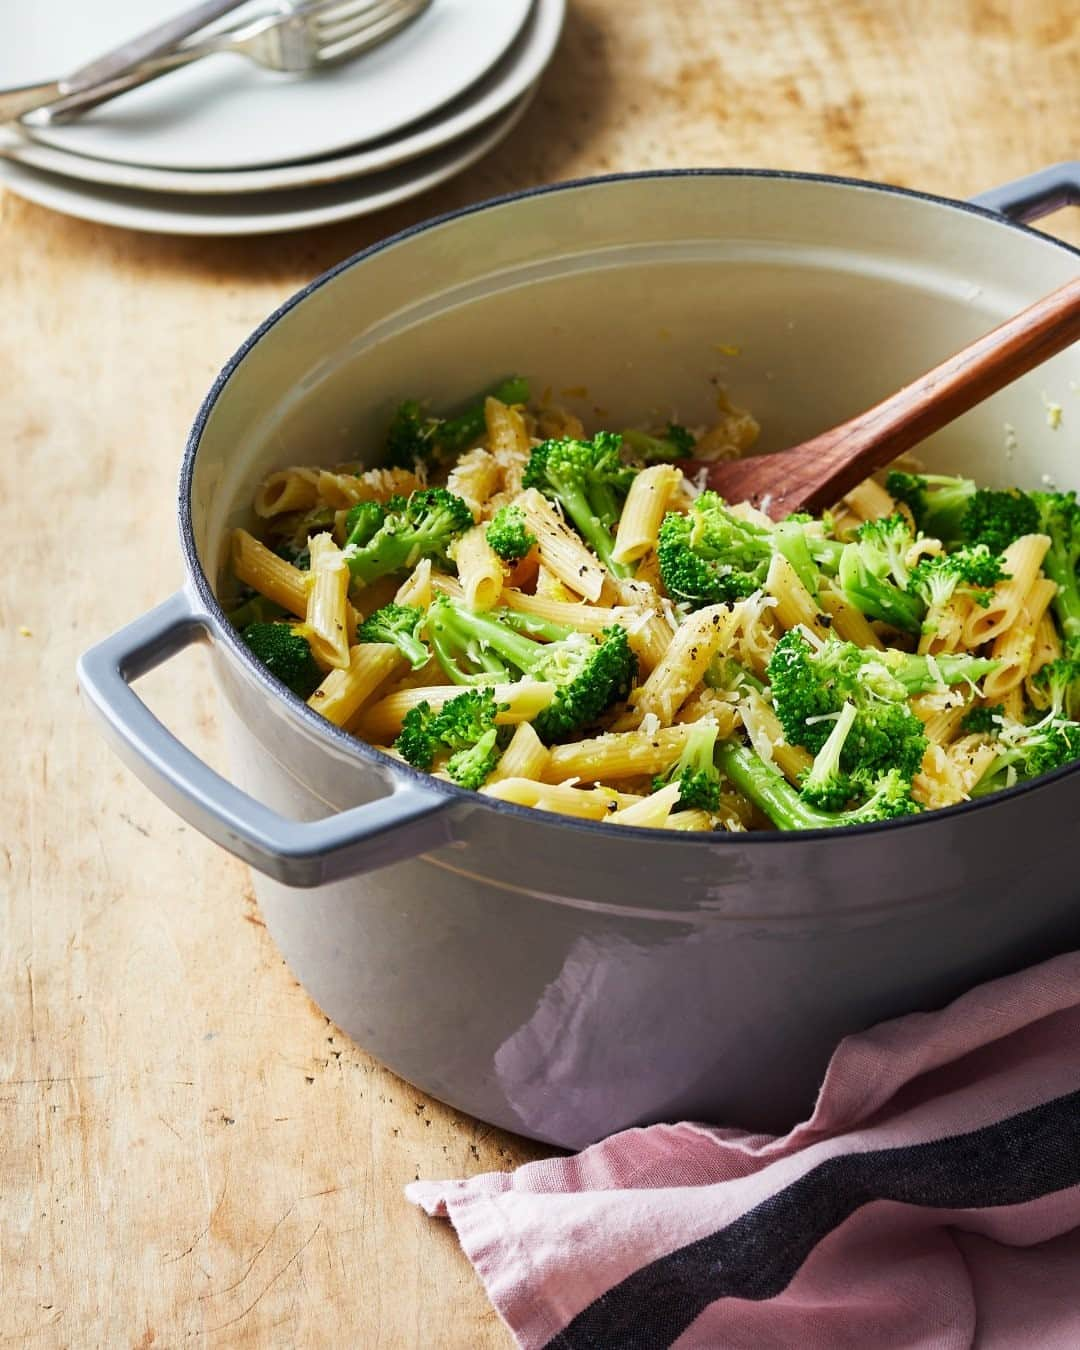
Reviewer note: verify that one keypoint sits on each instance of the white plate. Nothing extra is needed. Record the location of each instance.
(517, 71)
(226, 113)
(257, 213)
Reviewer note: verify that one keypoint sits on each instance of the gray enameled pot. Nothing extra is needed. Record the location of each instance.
(564, 979)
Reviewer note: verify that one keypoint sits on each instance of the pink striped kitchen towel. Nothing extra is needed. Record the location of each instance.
(931, 1200)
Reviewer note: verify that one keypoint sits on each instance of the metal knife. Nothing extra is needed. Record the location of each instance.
(105, 69)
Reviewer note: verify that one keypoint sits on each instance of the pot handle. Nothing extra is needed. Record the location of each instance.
(1036, 195)
(412, 819)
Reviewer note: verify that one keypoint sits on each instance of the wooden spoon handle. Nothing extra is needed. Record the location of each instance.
(814, 475)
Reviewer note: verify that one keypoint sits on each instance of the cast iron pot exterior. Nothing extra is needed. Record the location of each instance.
(565, 979)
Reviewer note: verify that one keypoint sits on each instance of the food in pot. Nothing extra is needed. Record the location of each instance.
(568, 622)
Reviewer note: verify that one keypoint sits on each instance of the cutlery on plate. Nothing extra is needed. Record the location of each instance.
(816, 474)
(306, 37)
(14, 103)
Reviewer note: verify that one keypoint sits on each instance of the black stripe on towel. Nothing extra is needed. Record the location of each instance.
(757, 1255)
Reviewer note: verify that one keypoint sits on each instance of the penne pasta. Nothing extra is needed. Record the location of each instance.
(767, 737)
(1022, 560)
(285, 491)
(645, 505)
(344, 691)
(586, 804)
(847, 622)
(327, 620)
(480, 569)
(617, 754)
(1015, 647)
(549, 587)
(474, 478)
(943, 627)
(696, 641)
(689, 820)
(256, 566)
(1047, 648)
(573, 614)
(525, 757)
(943, 726)
(560, 548)
(509, 442)
(652, 812)
(794, 604)
(1012, 705)
(416, 588)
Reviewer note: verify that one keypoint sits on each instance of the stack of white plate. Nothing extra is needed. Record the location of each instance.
(225, 147)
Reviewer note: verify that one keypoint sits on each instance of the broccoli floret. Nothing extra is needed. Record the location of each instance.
(286, 653)
(888, 797)
(956, 511)
(997, 518)
(1027, 752)
(825, 784)
(363, 521)
(872, 572)
(509, 534)
(811, 686)
(1060, 682)
(973, 569)
(589, 481)
(885, 544)
(709, 556)
(422, 526)
(675, 443)
(417, 742)
(415, 436)
(695, 772)
(465, 726)
(588, 675)
(400, 625)
(1058, 515)
(983, 720)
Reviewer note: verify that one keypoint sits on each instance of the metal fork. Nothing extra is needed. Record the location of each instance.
(308, 37)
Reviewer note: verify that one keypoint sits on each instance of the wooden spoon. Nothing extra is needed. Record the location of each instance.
(816, 474)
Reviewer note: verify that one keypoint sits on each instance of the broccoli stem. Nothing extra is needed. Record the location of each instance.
(484, 641)
(455, 433)
(1060, 520)
(790, 542)
(921, 674)
(770, 791)
(533, 625)
(875, 597)
(588, 519)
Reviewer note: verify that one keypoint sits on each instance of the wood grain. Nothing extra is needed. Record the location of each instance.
(189, 1154)
(814, 475)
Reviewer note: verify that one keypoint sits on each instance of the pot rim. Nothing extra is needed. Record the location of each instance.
(388, 766)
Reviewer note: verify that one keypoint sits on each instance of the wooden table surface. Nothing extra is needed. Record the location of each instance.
(189, 1152)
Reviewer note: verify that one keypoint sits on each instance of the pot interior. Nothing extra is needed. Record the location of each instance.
(632, 300)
